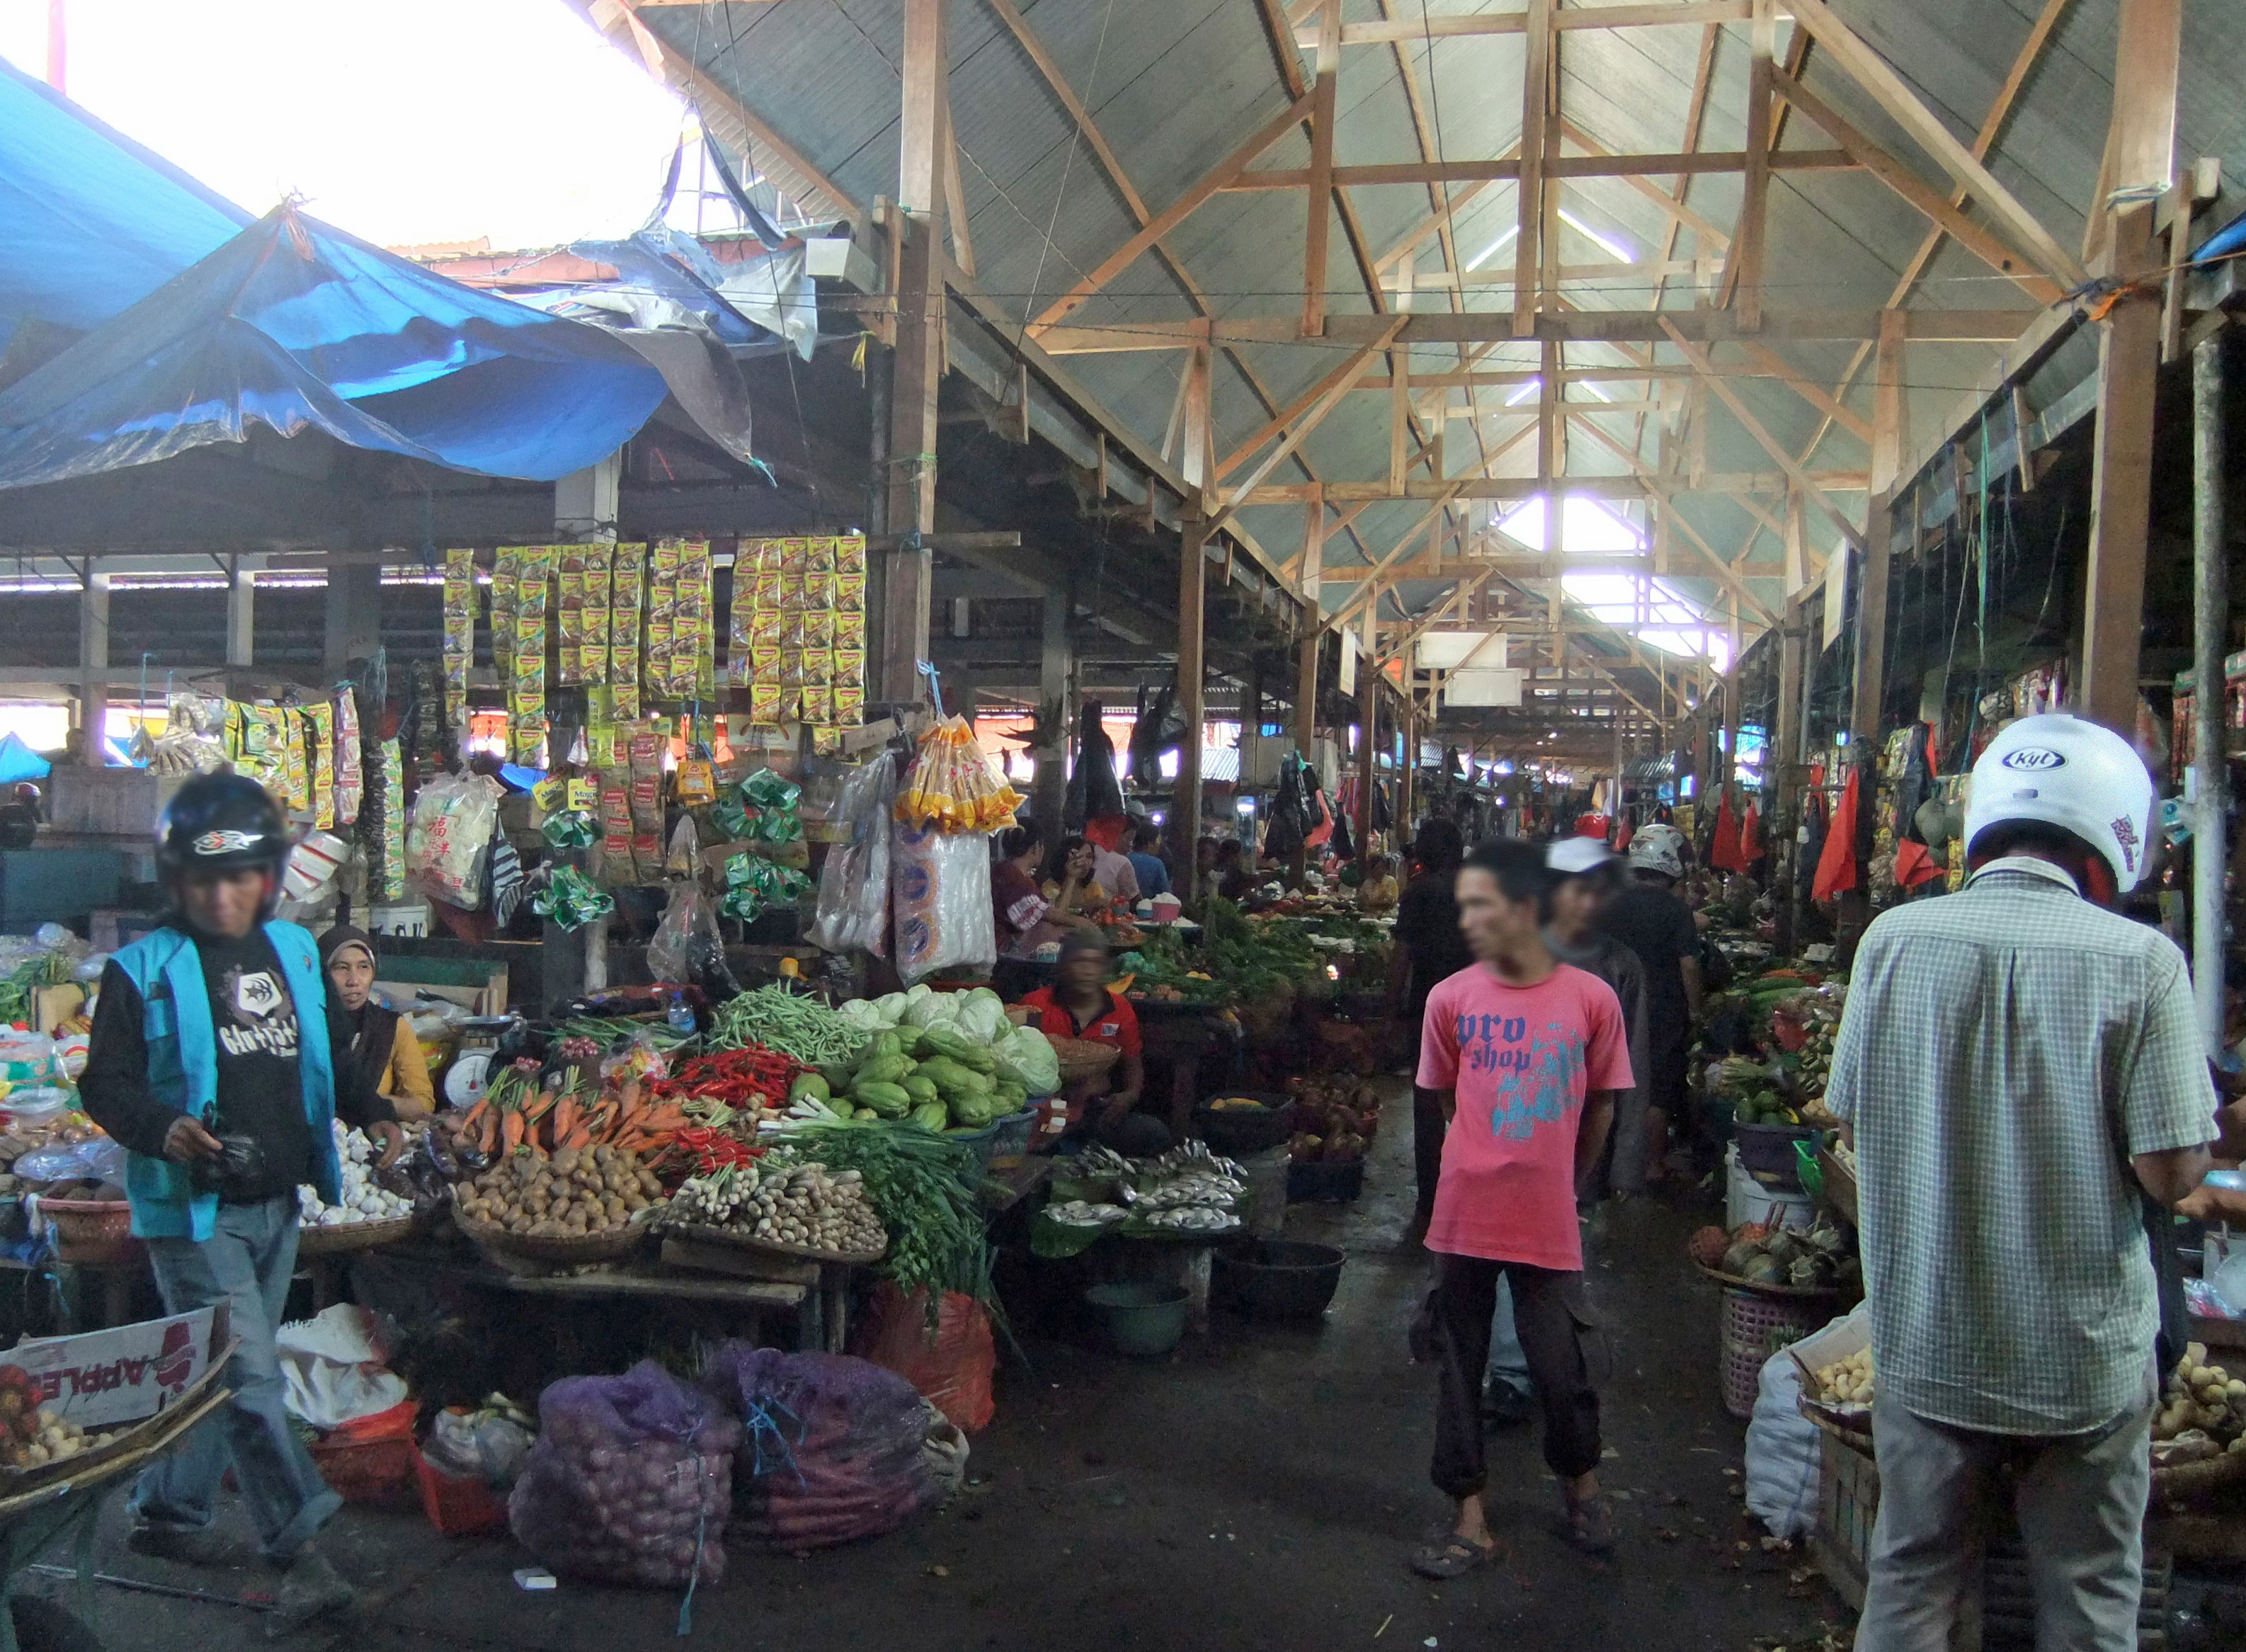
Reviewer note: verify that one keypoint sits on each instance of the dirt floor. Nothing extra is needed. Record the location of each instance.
(1261, 1488)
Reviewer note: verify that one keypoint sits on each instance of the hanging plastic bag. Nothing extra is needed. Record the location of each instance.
(950, 1359)
(454, 816)
(670, 955)
(333, 1367)
(940, 884)
(678, 862)
(853, 886)
(570, 900)
(754, 886)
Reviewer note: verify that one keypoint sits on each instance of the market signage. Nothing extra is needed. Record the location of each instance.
(120, 1375)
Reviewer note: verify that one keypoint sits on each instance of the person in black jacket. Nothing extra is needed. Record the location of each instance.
(1429, 947)
(218, 1061)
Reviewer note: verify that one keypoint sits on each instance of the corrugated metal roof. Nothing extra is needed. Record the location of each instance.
(1176, 87)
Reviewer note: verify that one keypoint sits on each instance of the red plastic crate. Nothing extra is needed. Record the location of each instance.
(370, 1459)
(459, 1504)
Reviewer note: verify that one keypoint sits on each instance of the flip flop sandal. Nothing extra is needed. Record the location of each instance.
(1590, 1525)
(1455, 1556)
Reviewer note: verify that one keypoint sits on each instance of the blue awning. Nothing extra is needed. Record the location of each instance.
(90, 221)
(295, 325)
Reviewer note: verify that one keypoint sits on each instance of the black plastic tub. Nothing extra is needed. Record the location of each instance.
(1278, 1278)
(1238, 1132)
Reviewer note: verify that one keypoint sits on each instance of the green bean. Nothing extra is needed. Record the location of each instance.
(776, 1018)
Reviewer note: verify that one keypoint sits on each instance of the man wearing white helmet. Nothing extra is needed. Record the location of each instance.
(2017, 1067)
(1651, 919)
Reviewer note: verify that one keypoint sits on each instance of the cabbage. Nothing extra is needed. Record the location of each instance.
(1027, 1055)
(936, 1010)
(864, 1014)
(983, 1017)
(919, 990)
(892, 1008)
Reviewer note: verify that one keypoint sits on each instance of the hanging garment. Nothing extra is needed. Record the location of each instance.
(1723, 849)
(1836, 865)
(1751, 847)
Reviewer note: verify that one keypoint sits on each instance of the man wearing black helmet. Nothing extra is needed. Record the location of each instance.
(214, 1062)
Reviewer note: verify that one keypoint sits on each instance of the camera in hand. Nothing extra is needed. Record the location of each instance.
(240, 1167)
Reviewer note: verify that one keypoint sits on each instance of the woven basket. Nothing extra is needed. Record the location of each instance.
(1083, 1058)
(347, 1236)
(612, 1246)
(98, 1232)
(1806, 1293)
(1749, 1317)
(2197, 1480)
(739, 1241)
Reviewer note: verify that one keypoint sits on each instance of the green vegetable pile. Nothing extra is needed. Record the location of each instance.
(922, 1187)
(1259, 958)
(933, 1077)
(48, 970)
(778, 1020)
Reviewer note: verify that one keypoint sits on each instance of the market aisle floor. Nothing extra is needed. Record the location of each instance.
(1260, 1489)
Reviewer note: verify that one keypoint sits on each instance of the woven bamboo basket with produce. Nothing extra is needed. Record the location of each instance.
(1083, 1058)
(573, 1206)
(350, 1236)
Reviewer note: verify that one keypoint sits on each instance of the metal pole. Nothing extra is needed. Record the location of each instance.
(2210, 627)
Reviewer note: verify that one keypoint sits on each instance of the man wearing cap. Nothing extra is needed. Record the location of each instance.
(215, 1061)
(2020, 1073)
(1650, 918)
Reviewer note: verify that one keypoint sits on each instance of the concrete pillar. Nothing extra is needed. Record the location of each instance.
(353, 616)
(1056, 703)
(93, 661)
(241, 614)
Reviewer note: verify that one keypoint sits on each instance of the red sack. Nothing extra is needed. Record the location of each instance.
(1724, 850)
(951, 1361)
(1836, 867)
(1750, 843)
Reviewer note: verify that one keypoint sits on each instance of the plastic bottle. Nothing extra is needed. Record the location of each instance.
(680, 1015)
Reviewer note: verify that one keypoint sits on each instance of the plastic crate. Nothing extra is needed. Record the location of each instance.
(1746, 1323)
(457, 1505)
(370, 1459)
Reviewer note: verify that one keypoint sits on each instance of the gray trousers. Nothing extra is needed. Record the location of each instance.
(2081, 1502)
(245, 1263)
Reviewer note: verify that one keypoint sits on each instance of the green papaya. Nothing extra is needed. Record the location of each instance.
(921, 1088)
(931, 1116)
(812, 1084)
(887, 1043)
(952, 1078)
(959, 1047)
(890, 1101)
(866, 1114)
(1009, 1095)
(885, 1070)
(910, 1039)
(837, 1075)
(971, 1110)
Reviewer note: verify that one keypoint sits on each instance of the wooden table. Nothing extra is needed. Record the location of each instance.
(644, 1281)
(1181, 1034)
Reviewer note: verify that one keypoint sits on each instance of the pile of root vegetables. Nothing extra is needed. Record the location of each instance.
(571, 1193)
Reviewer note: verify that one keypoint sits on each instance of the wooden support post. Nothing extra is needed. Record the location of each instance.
(351, 627)
(1368, 717)
(1785, 766)
(1747, 247)
(2211, 639)
(1057, 706)
(1306, 713)
(2121, 484)
(241, 612)
(1536, 92)
(1320, 204)
(93, 661)
(1408, 773)
(1193, 587)
(918, 370)
(1314, 547)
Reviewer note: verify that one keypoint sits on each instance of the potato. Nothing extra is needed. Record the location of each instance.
(650, 1183)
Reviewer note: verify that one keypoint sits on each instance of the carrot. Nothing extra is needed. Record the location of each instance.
(475, 1116)
(487, 1131)
(577, 1137)
(537, 1106)
(510, 1133)
(565, 1117)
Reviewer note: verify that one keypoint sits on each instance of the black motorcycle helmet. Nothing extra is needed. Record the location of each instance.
(219, 822)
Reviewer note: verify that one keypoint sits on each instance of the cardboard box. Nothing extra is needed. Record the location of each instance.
(52, 1006)
(121, 1375)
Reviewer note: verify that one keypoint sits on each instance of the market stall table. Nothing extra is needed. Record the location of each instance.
(1181, 1034)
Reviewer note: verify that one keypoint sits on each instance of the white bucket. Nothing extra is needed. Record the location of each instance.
(1747, 1200)
(411, 920)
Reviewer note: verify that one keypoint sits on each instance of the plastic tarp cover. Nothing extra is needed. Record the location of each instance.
(90, 221)
(295, 325)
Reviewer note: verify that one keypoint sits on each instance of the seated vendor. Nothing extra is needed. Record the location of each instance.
(1080, 1004)
(1025, 920)
(1377, 893)
(382, 1040)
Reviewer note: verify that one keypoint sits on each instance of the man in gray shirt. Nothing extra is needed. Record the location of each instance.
(2015, 1063)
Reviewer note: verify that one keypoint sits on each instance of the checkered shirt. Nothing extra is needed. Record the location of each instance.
(2003, 1052)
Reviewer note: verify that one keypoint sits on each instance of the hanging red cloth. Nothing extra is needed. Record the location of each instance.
(1751, 847)
(1915, 863)
(1623, 835)
(1724, 851)
(1836, 867)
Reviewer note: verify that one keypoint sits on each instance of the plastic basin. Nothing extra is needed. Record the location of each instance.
(1279, 1278)
(1143, 1317)
(1768, 1149)
(1237, 1131)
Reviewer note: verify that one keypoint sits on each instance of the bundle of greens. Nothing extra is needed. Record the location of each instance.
(922, 1185)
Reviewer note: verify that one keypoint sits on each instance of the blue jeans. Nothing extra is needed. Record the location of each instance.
(245, 1263)
(1508, 1365)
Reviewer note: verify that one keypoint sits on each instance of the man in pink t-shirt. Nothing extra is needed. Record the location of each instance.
(1526, 1054)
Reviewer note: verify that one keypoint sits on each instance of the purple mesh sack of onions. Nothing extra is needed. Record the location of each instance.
(831, 1449)
(631, 1481)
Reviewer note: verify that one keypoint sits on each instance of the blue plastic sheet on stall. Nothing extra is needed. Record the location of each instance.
(295, 325)
(19, 762)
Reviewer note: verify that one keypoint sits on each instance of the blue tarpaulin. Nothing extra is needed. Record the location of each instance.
(199, 323)
(295, 325)
(90, 221)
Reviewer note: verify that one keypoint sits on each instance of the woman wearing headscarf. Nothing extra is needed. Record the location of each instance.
(382, 1044)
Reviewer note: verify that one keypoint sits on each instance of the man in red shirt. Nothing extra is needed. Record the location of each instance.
(1526, 1054)
(1080, 1004)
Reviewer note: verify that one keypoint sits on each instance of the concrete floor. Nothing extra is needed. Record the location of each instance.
(1262, 1487)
